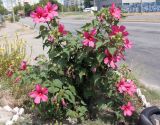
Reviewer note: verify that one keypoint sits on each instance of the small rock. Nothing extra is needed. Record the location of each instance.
(148, 104)
(143, 99)
(5, 116)
(21, 111)
(72, 120)
(139, 93)
(9, 123)
(16, 110)
(7, 108)
(15, 118)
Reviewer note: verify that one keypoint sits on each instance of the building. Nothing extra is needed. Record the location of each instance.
(101, 3)
(72, 2)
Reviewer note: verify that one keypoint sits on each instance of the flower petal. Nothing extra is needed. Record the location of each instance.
(37, 100)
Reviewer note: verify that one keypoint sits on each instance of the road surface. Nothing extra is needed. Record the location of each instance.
(143, 58)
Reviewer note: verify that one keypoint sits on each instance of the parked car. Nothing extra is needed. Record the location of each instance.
(87, 10)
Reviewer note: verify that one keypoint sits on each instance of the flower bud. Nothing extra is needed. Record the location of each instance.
(63, 102)
(54, 99)
(94, 69)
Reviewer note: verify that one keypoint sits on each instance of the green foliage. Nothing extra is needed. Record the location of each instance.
(18, 8)
(27, 9)
(3, 10)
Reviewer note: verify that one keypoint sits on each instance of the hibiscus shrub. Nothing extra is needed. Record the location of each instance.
(81, 76)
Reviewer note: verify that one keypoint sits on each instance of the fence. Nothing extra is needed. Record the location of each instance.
(146, 7)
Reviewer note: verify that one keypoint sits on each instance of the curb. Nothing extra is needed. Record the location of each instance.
(148, 21)
(25, 25)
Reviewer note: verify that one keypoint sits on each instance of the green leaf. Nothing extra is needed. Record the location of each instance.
(82, 110)
(43, 74)
(98, 44)
(53, 90)
(42, 27)
(66, 51)
(70, 96)
(71, 114)
(96, 78)
(87, 25)
(100, 57)
(82, 102)
(112, 50)
(72, 89)
(82, 73)
(57, 83)
(39, 36)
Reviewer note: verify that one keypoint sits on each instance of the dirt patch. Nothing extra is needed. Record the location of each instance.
(7, 99)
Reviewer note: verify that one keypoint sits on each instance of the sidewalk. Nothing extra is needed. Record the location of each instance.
(33, 45)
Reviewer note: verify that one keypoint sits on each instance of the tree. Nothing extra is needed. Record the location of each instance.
(18, 8)
(87, 3)
(1, 2)
(27, 9)
(44, 2)
(3, 10)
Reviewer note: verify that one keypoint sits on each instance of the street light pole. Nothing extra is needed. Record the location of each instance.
(13, 14)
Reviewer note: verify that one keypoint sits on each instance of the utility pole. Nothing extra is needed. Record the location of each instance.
(141, 6)
(13, 14)
(79, 2)
(94, 4)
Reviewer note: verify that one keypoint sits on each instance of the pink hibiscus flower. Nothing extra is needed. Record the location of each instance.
(62, 30)
(128, 109)
(89, 38)
(23, 65)
(122, 85)
(17, 80)
(39, 94)
(39, 15)
(127, 44)
(115, 12)
(9, 73)
(111, 59)
(126, 87)
(131, 87)
(51, 11)
(118, 30)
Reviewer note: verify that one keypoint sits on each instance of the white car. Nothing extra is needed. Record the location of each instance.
(87, 10)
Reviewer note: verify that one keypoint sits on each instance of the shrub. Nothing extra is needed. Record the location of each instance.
(11, 55)
(81, 75)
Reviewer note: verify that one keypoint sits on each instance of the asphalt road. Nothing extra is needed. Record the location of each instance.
(143, 58)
